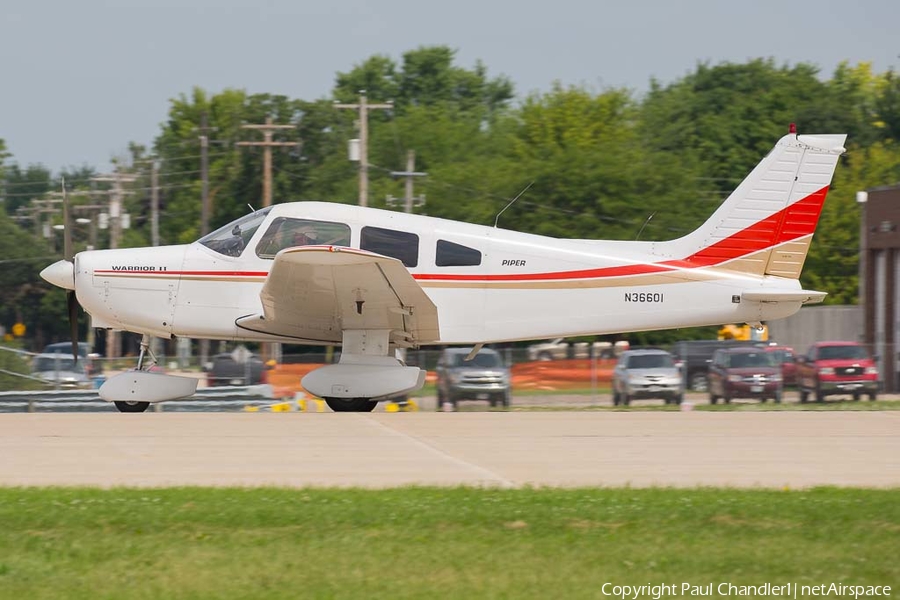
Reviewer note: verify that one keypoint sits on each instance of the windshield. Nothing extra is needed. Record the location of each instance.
(43, 364)
(651, 361)
(482, 359)
(851, 352)
(231, 239)
(752, 359)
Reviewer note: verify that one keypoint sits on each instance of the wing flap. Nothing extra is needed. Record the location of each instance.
(314, 293)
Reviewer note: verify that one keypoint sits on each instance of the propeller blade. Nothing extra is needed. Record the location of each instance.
(72, 305)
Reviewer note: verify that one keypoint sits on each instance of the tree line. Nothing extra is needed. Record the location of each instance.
(608, 163)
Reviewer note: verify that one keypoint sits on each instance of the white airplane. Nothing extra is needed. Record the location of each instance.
(375, 281)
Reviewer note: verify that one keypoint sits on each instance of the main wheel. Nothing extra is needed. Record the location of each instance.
(778, 395)
(132, 407)
(626, 399)
(351, 404)
(804, 396)
(504, 399)
(873, 396)
(820, 397)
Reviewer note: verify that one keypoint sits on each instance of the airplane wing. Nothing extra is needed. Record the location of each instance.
(314, 293)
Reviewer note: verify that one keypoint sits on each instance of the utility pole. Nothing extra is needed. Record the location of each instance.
(204, 176)
(154, 203)
(115, 203)
(363, 107)
(410, 173)
(268, 129)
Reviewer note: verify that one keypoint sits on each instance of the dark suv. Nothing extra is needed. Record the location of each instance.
(239, 367)
(694, 357)
(485, 377)
(745, 373)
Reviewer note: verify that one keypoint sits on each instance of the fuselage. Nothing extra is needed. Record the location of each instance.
(488, 284)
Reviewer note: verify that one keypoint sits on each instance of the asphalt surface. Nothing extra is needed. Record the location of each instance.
(559, 448)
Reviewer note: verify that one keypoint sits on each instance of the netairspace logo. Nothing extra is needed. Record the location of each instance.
(788, 590)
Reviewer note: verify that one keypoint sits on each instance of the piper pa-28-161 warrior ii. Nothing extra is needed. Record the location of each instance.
(375, 281)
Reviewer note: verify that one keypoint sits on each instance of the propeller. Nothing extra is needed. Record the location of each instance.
(71, 300)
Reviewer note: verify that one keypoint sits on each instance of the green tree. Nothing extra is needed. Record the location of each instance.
(427, 76)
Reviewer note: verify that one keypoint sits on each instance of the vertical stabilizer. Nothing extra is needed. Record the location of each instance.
(766, 225)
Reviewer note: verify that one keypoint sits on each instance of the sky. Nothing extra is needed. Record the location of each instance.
(80, 80)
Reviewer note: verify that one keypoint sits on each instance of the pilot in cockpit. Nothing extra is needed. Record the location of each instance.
(305, 235)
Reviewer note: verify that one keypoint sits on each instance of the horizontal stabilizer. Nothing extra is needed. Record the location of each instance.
(775, 295)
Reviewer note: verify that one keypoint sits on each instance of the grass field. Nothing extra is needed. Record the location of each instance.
(435, 543)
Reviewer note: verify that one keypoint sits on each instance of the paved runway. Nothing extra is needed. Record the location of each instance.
(570, 448)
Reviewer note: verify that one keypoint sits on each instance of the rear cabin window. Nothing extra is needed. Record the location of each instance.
(287, 233)
(389, 242)
(450, 254)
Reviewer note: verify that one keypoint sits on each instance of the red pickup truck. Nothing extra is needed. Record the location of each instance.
(831, 368)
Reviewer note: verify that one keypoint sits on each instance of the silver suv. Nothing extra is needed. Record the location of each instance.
(647, 374)
(485, 377)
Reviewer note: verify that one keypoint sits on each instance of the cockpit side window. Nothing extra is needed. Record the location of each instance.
(451, 254)
(285, 232)
(389, 242)
(231, 239)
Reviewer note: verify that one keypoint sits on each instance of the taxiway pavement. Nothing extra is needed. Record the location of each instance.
(559, 448)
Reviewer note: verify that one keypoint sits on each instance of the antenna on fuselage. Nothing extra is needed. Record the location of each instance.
(641, 230)
(497, 218)
(253, 210)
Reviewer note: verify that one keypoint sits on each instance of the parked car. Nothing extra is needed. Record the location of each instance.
(744, 373)
(831, 368)
(550, 350)
(239, 367)
(92, 365)
(647, 373)
(62, 370)
(559, 349)
(485, 377)
(84, 349)
(695, 356)
(784, 355)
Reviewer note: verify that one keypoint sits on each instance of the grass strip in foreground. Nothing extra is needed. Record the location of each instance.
(435, 543)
